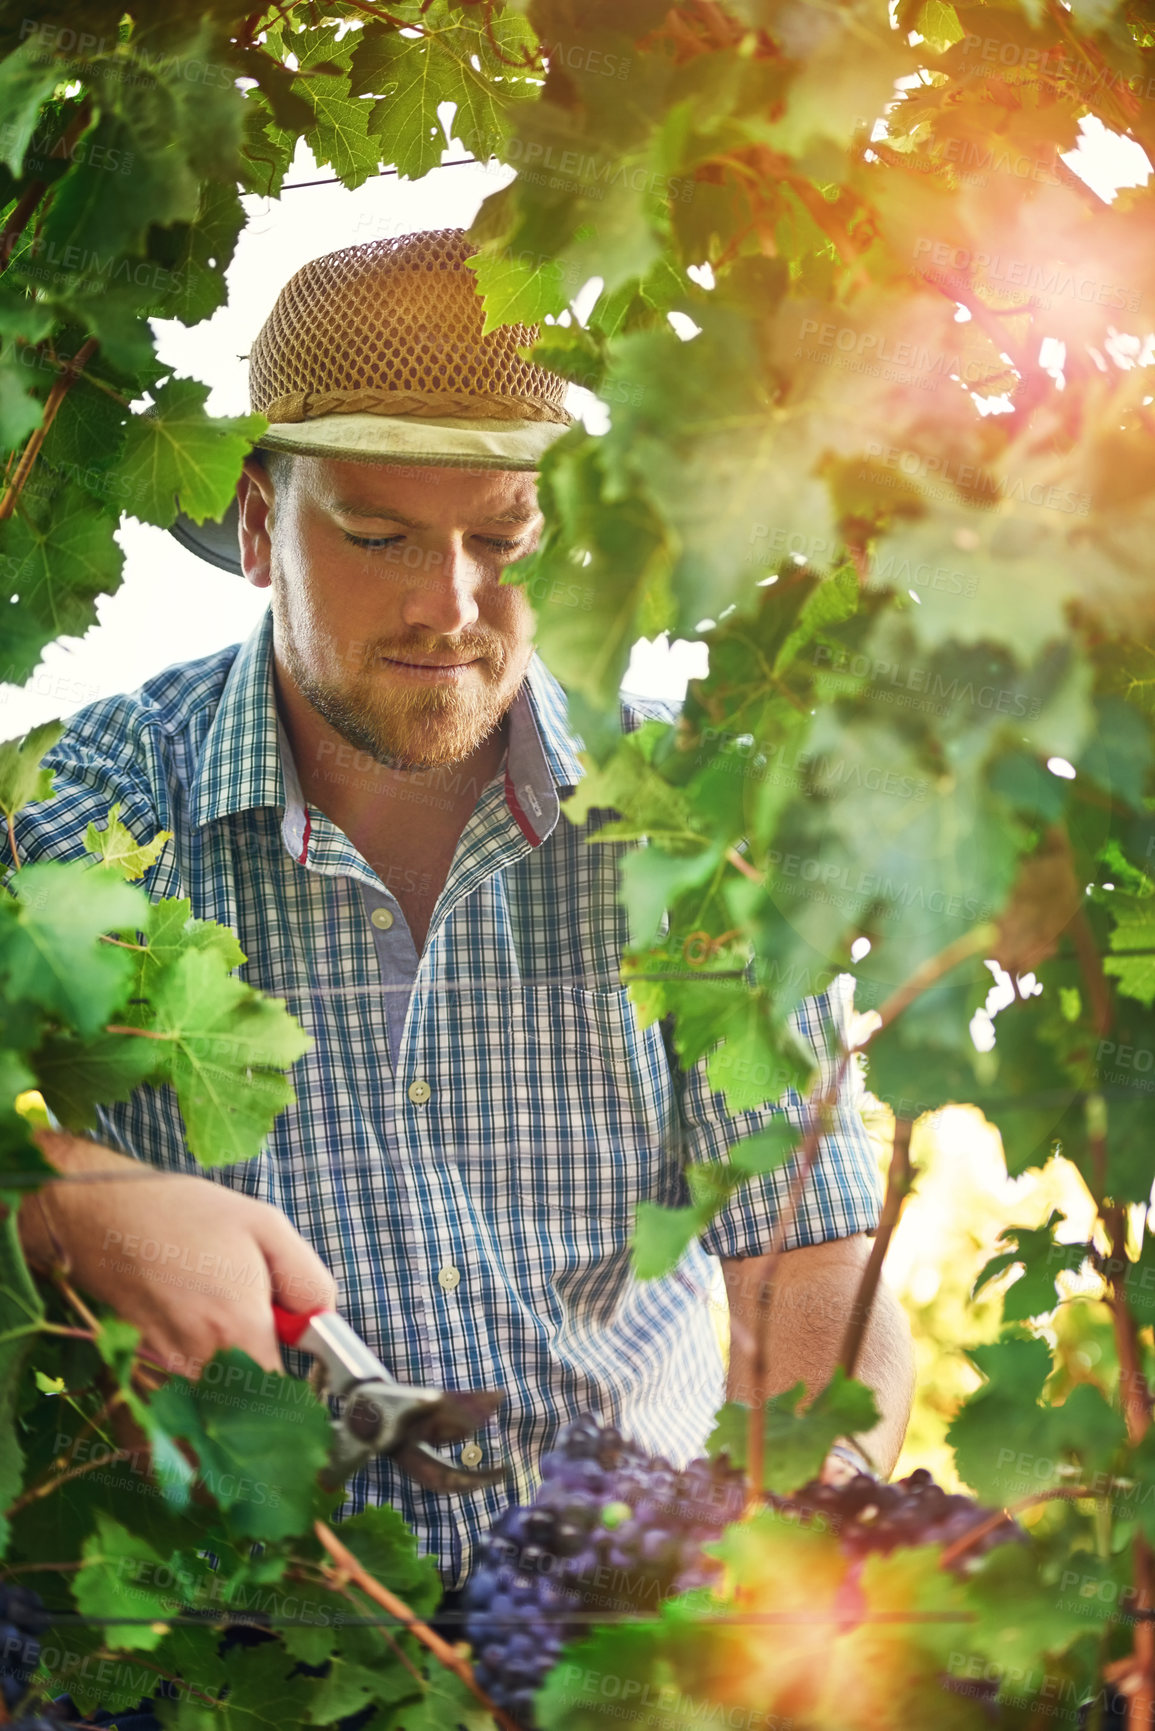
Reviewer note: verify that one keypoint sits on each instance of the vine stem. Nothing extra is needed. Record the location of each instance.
(960, 1546)
(47, 1486)
(144, 1033)
(930, 972)
(899, 1182)
(744, 866)
(31, 451)
(11, 821)
(351, 1569)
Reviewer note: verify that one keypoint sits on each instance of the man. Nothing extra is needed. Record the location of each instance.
(368, 793)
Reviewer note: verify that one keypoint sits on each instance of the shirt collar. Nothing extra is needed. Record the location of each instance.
(246, 761)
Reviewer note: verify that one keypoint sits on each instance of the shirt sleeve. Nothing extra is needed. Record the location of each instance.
(105, 758)
(843, 1194)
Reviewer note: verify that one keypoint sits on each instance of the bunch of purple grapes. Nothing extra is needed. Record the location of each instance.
(611, 1530)
(869, 1515)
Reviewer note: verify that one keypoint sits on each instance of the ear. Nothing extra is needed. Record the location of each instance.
(254, 502)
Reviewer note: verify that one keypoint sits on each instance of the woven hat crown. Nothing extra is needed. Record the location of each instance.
(393, 327)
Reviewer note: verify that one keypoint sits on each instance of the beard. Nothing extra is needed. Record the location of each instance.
(405, 726)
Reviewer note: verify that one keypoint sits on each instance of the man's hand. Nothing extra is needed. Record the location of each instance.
(800, 1303)
(194, 1265)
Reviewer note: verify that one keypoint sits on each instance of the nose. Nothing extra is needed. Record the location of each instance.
(442, 595)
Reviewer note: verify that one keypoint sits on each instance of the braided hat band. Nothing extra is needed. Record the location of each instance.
(376, 353)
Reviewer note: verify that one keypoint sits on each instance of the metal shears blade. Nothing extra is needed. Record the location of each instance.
(379, 1415)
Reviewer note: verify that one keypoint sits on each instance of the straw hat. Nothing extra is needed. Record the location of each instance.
(376, 353)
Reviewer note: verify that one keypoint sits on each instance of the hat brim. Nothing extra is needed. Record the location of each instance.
(392, 439)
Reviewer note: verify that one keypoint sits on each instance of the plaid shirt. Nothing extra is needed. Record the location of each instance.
(476, 1125)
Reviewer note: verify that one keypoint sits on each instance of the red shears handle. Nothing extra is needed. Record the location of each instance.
(291, 1324)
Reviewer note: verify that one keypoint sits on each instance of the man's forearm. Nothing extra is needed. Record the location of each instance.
(799, 1303)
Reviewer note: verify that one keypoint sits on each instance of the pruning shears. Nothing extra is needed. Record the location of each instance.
(378, 1414)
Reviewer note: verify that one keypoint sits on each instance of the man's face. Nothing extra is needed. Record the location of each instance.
(376, 569)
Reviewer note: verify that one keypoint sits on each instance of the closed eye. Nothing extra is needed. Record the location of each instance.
(376, 541)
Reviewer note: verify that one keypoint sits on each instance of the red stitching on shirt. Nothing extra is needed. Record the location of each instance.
(304, 853)
(522, 821)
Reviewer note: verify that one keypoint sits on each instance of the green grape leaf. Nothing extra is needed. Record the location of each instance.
(160, 132)
(118, 1576)
(1008, 1445)
(172, 933)
(574, 1693)
(382, 1542)
(19, 1155)
(519, 290)
(661, 1237)
(118, 850)
(1118, 755)
(58, 555)
(20, 411)
(77, 1075)
(413, 76)
(656, 810)
(796, 1442)
(22, 780)
(1041, 1257)
(226, 1048)
(938, 22)
(260, 1440)
(261, 1690)
(651, 880)
(446, 1702)
(28, 77)
(177, 457)
(601, 566)
(51, 952)
(1133, 930)
(350, 1688)
(1020, 1614)
(767, 1150)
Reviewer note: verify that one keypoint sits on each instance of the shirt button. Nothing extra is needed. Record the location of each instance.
(449, 1277)
(381, 918)
(470, 1455)
(419, 1091)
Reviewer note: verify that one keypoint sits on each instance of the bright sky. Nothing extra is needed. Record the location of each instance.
(172, 606)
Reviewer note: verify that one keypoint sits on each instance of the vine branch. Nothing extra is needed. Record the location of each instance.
(351, 1569)
(899, 1182)
(56, 396)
